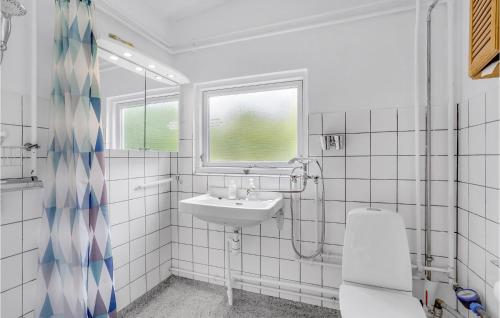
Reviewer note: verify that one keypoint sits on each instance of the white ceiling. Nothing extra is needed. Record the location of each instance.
(174, 10)
(186, 24)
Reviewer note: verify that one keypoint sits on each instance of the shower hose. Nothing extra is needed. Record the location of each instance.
(321, 242)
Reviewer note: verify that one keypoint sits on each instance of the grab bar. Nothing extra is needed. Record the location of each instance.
(152, 184)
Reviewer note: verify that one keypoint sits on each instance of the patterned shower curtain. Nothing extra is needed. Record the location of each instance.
(75, 263)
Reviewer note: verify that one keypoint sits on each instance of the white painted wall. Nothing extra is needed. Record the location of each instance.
(368, 63)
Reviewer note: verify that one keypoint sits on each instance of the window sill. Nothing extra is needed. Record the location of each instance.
(240, 171)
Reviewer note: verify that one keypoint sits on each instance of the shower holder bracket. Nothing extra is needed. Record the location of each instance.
(331, 142)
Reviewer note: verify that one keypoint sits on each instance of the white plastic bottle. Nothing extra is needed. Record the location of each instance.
(232, 190)
(250, 190)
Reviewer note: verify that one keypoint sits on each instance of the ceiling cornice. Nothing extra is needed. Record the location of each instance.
(106, 8)
(330, 18)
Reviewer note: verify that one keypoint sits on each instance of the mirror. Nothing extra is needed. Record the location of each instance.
(123, 100)
(162, 114)
(140, 106)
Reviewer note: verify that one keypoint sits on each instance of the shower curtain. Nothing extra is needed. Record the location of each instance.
(75, 263)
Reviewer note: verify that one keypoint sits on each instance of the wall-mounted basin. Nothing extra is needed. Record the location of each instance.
(215, 207)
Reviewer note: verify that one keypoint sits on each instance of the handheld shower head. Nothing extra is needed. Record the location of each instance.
(10, 8)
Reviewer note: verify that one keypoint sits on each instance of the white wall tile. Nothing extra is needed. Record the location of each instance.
(11, 239)
(358, 190)
(334, 167)
(477, 199)
(12, 303)
(31, 231)
(477, 137)
(406, 119)
(491, 238)
(289, 270)
(270, 267)
(118, 190)
(137, 247)
(11, 272)
(383, 191)
(493, 175)
(439, 142)
(137, 288)
(358, 121)
(32, 203)
(384, 167)
(250, 244)
(118, 168)
(118, 212)
(357, 167)
(334, 189)
(477, 258)
(492, 133)
(119, 234)
(492, 204)
(357, 144)
(137, 228)
(384, 144)
(477, 226)
(137, 208)
(11, 207)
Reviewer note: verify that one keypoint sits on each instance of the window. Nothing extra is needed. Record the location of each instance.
(255, 125)
(160, 123)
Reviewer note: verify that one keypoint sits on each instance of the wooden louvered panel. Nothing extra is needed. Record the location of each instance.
(484, 34)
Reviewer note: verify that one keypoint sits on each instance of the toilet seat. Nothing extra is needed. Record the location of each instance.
(363, 301)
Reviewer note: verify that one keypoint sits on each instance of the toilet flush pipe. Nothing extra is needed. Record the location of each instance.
(428, 141)
(417, 139)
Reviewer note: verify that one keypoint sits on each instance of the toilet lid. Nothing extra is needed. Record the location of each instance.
(357, 302)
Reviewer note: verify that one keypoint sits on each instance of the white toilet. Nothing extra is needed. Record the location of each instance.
(376, 267)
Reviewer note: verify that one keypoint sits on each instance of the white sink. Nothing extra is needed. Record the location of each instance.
(215, 207)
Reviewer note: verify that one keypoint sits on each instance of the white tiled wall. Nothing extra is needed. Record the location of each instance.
(21, 210)
(375, 168)
(140, 221)
(20, 217)
(478, 195)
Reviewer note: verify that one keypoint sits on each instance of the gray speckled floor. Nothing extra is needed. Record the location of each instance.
(185, 298)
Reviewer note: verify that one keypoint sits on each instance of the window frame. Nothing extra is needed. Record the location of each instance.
(116, 104)
(261, 83)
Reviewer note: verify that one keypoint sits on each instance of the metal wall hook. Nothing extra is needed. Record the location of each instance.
(29, 146)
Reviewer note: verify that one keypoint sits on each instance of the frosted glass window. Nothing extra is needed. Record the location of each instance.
(254, 124)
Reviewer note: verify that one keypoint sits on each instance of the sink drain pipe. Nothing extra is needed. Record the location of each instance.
(233, 246)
